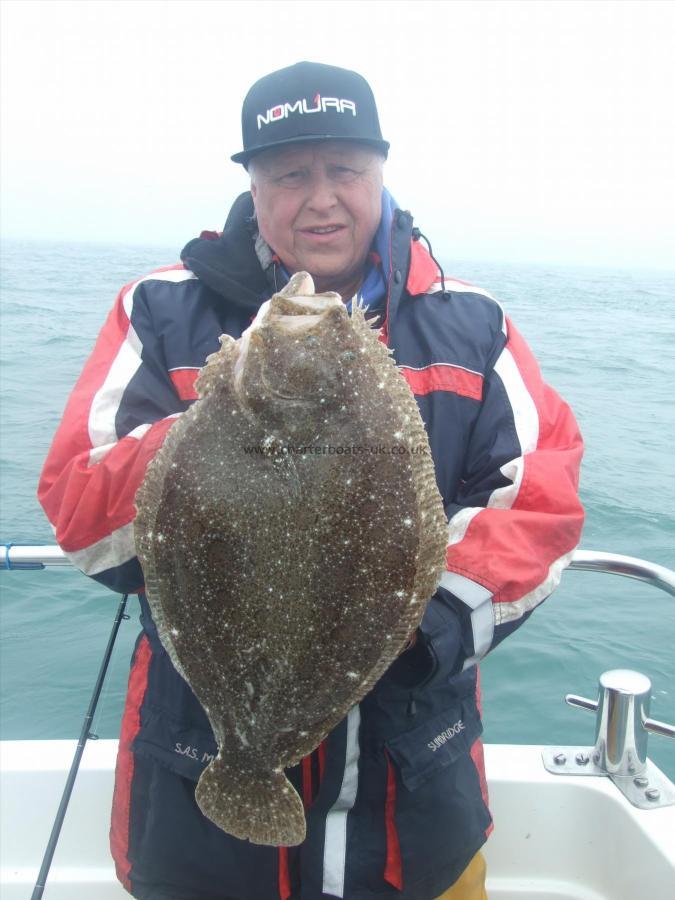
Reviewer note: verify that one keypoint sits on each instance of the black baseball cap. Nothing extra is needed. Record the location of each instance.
(308, 102)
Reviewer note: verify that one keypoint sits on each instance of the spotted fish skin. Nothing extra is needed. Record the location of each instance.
(291, 534)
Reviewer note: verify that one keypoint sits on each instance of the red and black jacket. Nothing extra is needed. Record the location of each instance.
(395, 796)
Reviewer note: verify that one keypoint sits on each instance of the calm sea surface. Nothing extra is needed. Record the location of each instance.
(604, 339)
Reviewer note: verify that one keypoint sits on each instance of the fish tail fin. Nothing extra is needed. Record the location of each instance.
(262, 807)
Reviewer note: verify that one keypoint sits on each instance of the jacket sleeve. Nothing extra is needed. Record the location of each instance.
(115, 421)
(516, 519)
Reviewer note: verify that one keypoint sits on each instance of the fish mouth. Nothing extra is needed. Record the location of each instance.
(296, 311)
(298, 322)
(288, 398)
(281, 395)
(304, 307)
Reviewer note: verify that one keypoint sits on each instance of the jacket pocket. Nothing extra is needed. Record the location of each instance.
(174, 730)
(178, 746)
(421, 753)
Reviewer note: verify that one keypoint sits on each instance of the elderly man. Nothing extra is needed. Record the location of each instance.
(395, 797)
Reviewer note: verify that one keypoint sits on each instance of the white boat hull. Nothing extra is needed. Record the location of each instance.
(555, 837)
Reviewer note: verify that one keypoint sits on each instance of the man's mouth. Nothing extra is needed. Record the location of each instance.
(323, 229)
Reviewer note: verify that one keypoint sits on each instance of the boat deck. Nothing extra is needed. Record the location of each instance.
(555, 838)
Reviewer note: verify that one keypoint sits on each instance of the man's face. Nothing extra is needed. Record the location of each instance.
(318, 207)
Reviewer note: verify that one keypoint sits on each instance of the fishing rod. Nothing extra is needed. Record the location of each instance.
(85, 734)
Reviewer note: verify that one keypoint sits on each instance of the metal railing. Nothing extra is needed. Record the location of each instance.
(21, 556)
(629, 566)
(37, 556)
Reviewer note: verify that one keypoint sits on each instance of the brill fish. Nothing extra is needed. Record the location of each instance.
(291, 534)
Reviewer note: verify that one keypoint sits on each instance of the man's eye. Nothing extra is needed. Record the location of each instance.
(344, 173)
(291, 177)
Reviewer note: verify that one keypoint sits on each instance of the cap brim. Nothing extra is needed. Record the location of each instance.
(247, 155)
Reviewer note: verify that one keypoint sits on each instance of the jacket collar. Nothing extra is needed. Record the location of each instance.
(229, 264)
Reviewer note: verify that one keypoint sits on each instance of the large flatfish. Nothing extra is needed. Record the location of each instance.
(291, 534)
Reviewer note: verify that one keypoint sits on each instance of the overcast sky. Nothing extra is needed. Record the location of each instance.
(523, 131)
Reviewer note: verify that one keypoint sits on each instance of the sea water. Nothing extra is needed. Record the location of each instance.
(604, 339)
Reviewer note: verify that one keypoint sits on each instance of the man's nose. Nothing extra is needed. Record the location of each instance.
(323, 196)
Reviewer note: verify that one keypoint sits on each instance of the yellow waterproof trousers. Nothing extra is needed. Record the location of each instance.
(471, 883)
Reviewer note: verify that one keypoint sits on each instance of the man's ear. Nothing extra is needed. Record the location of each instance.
(254, 190)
